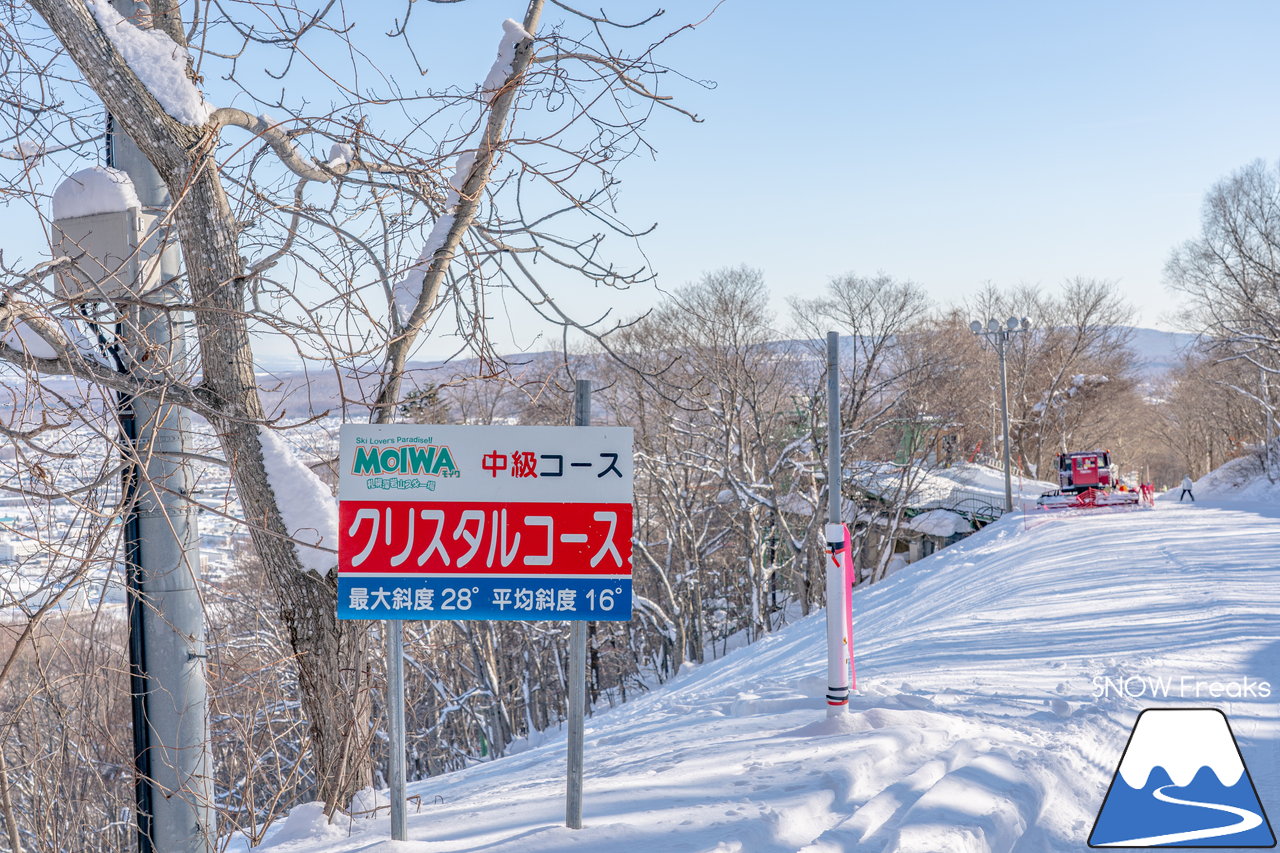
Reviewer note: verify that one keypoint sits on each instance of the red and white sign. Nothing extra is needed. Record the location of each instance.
(484, 522)
(475, 537)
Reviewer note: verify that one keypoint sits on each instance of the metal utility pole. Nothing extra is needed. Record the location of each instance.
(837, 618)
(577, 662)
(167, 628)
(833, 427)
(998, 334)
(1004, 427)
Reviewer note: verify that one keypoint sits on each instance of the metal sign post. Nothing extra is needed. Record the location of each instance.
(577, 664)
(395, 726)
(119, 258)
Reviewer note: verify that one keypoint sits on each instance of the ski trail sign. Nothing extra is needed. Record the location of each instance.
(484, 522)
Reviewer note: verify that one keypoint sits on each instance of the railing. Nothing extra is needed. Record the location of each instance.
(975, 506)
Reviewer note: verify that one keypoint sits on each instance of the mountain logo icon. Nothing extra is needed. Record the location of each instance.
(1182, 782)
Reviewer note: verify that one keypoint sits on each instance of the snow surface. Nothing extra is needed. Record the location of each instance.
(999, 681)
(159, 62)
(98, 189)
(309, 509)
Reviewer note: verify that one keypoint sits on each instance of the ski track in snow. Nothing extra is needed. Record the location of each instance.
(978, 728)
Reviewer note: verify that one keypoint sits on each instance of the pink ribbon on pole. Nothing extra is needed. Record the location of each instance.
(850, 578)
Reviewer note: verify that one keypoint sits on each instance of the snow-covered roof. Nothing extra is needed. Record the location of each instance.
(939, 522)
(949, 487)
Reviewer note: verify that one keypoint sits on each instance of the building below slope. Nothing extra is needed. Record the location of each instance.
(920, 511)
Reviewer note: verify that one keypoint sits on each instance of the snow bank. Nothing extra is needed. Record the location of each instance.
(304, 823)
(159, 62)
(309, 509)
(99, 189)
(1241, 479)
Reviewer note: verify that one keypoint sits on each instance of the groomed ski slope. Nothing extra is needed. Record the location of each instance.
(979, 725)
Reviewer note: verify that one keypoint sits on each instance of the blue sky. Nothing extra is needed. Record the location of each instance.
(956, 143)
(951, 143)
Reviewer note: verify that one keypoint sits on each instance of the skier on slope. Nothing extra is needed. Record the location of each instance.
(1186, 490)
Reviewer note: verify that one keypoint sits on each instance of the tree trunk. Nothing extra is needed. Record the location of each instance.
(332, 654)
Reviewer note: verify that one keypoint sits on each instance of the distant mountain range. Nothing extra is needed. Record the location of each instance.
(297, 393)
(1160, 351)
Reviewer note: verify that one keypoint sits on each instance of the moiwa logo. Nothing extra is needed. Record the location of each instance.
(1182, 782)
(410, 460)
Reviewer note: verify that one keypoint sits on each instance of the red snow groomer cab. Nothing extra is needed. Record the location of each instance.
(1087, 479)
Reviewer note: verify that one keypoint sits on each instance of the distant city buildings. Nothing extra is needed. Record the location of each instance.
(43, 542)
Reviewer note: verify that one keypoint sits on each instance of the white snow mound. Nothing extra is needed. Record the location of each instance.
(99, 189)
(1242, 478)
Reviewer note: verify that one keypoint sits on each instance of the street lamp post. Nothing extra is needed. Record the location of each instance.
(998, 334)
